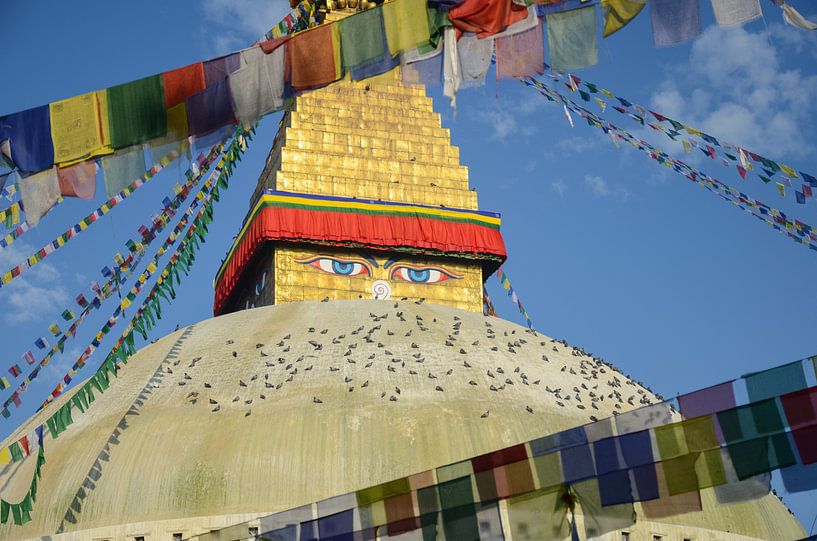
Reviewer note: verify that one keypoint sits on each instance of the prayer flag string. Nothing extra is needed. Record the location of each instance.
(795, 229)
(708, 438)
(741, 159)
(116, 280)
(83, 224)
(142, 321)
(506, 285)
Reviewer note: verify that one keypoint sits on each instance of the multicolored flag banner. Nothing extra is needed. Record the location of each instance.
(85, 223)
(741, 159)
(506, 285)
(795, 229)
(709, 438)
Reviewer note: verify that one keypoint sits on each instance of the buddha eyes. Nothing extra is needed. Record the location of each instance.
(414, 274)
(420, 275)
(338, 266)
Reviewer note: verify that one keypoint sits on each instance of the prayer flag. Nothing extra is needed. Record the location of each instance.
(405, 24)
(137, 111)
(258, 87)
(734, 12)
(4, 383)
(218, 69)
(41, 343)
(67, 315)
(29, 139)
(14, 370)
(619, 13)
(572, 39)
(53, 329)
(305, 70)
(181, 83)
(28, 357)
(209, 110)
(82, 301)
(39, 192)
(520, 54)
(362, 39)
(79, 127)
(78, 180)
(122, 168)
(675, 21)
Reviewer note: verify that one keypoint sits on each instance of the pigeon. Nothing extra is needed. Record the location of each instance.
(207, 386)
(465, 364)
(431, 376)
(529, 409)
(230, 342)
(472, 382)
(236, 399)
(235, 354)
(392, 398)
(438, 388)
(248, 413)
(241, 383)
(317, 400)
(365, 383)
(217, 408)
(213, 401)
(484, 415)
(262, 397)
(449, 372)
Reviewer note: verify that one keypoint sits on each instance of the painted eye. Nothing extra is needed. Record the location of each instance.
(421, 275)
(338, 266)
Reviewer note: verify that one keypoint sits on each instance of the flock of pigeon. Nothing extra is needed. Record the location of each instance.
(398, 341)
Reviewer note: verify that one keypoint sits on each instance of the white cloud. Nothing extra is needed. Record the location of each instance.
(235, 24)
(736, 87)
(601, 189)
(36, 294)
(509, 118)
(577, 144)
(560, 187)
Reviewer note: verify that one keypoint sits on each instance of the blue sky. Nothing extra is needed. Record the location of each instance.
(607, 249)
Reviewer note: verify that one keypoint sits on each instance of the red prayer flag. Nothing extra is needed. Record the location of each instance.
(742, 172)
(24, 444)
(182, 83)
(14, 370)
(16, 398)
(485, 17)
(304, 68)
(807, 190)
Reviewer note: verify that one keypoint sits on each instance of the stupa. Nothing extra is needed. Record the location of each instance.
(349, 349)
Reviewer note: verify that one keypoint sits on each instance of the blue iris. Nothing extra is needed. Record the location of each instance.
(418, 275)
(342, 267)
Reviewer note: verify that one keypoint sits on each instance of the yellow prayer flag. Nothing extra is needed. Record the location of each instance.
(781, 188)
(125, 303)
(602, 104)
(618, 13)
(5, 456)
(692, 131)
(76, 129)
(177, 122)
(687, 146)
(607, 93)
(788, 171)
(406, 24)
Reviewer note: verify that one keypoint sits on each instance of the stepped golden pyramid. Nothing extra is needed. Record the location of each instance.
(260, 409)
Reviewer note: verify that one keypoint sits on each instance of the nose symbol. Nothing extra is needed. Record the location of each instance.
(381, 290)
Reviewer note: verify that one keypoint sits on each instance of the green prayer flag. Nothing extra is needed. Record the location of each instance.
(5, 507)
(137, 111)
(361, 38)
(16, 452)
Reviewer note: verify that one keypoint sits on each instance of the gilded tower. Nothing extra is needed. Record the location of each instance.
(370, 201)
